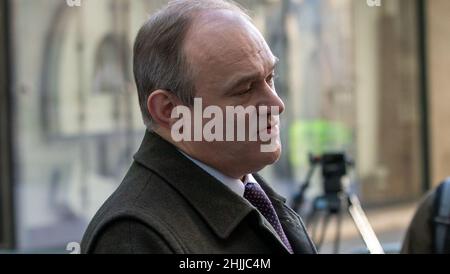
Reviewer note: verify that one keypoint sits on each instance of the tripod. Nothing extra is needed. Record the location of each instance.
(334, 201)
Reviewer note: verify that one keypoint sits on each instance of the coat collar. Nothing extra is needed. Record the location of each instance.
(199, 188)
(194, 184)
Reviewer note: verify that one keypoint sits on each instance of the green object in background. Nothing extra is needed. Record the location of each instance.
(317, 137)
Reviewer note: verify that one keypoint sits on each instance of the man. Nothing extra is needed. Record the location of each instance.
(184, 195)
(429, 229)
(418, 238)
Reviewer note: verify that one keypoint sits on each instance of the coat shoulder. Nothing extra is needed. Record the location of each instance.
(134, 206)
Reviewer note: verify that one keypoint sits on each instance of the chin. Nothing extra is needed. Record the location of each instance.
(273, 157)
(267, 158)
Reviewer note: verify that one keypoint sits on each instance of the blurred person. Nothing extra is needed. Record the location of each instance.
(429, 230)
(184, 196)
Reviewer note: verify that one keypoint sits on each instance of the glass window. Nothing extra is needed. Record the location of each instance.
(77, 120)
(348, 74)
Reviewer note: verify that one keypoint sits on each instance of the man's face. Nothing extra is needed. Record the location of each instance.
(233, 66)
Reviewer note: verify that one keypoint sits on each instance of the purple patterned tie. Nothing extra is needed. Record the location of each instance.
(258, 198)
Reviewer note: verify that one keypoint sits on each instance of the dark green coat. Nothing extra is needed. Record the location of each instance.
(167, 204)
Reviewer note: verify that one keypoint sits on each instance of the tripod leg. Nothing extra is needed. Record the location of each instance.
(326, 220)
(311, 220)
(314, 224)
(363, 225)
(337, 238)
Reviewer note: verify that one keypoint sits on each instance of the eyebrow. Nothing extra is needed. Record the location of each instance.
(248, 78)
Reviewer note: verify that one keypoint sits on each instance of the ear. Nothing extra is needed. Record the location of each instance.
(160, 104)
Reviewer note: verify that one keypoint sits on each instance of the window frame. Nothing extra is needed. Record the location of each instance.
(7, 236)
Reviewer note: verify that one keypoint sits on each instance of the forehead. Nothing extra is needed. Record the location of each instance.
(223, 42)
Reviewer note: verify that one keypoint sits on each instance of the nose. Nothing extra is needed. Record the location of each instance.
(271, 99)
(277, 101)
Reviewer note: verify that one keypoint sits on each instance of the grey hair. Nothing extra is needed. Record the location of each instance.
(159, 61)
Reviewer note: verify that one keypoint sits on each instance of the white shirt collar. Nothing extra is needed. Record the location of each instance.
(236, 185)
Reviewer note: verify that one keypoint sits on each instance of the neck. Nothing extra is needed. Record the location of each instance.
(214, 161)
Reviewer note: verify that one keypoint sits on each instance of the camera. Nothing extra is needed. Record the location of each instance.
(334, 167)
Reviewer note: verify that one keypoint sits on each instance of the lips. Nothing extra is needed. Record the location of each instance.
(273, 129)
(273, 123)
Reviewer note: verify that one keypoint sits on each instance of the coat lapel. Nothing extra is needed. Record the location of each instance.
(290, 221)
(199, 188)
(194, 184)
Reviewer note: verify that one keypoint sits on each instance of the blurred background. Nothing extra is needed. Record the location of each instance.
(366, 79)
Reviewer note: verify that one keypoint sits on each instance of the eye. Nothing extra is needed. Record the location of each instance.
(271, 78)
(245, 91)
